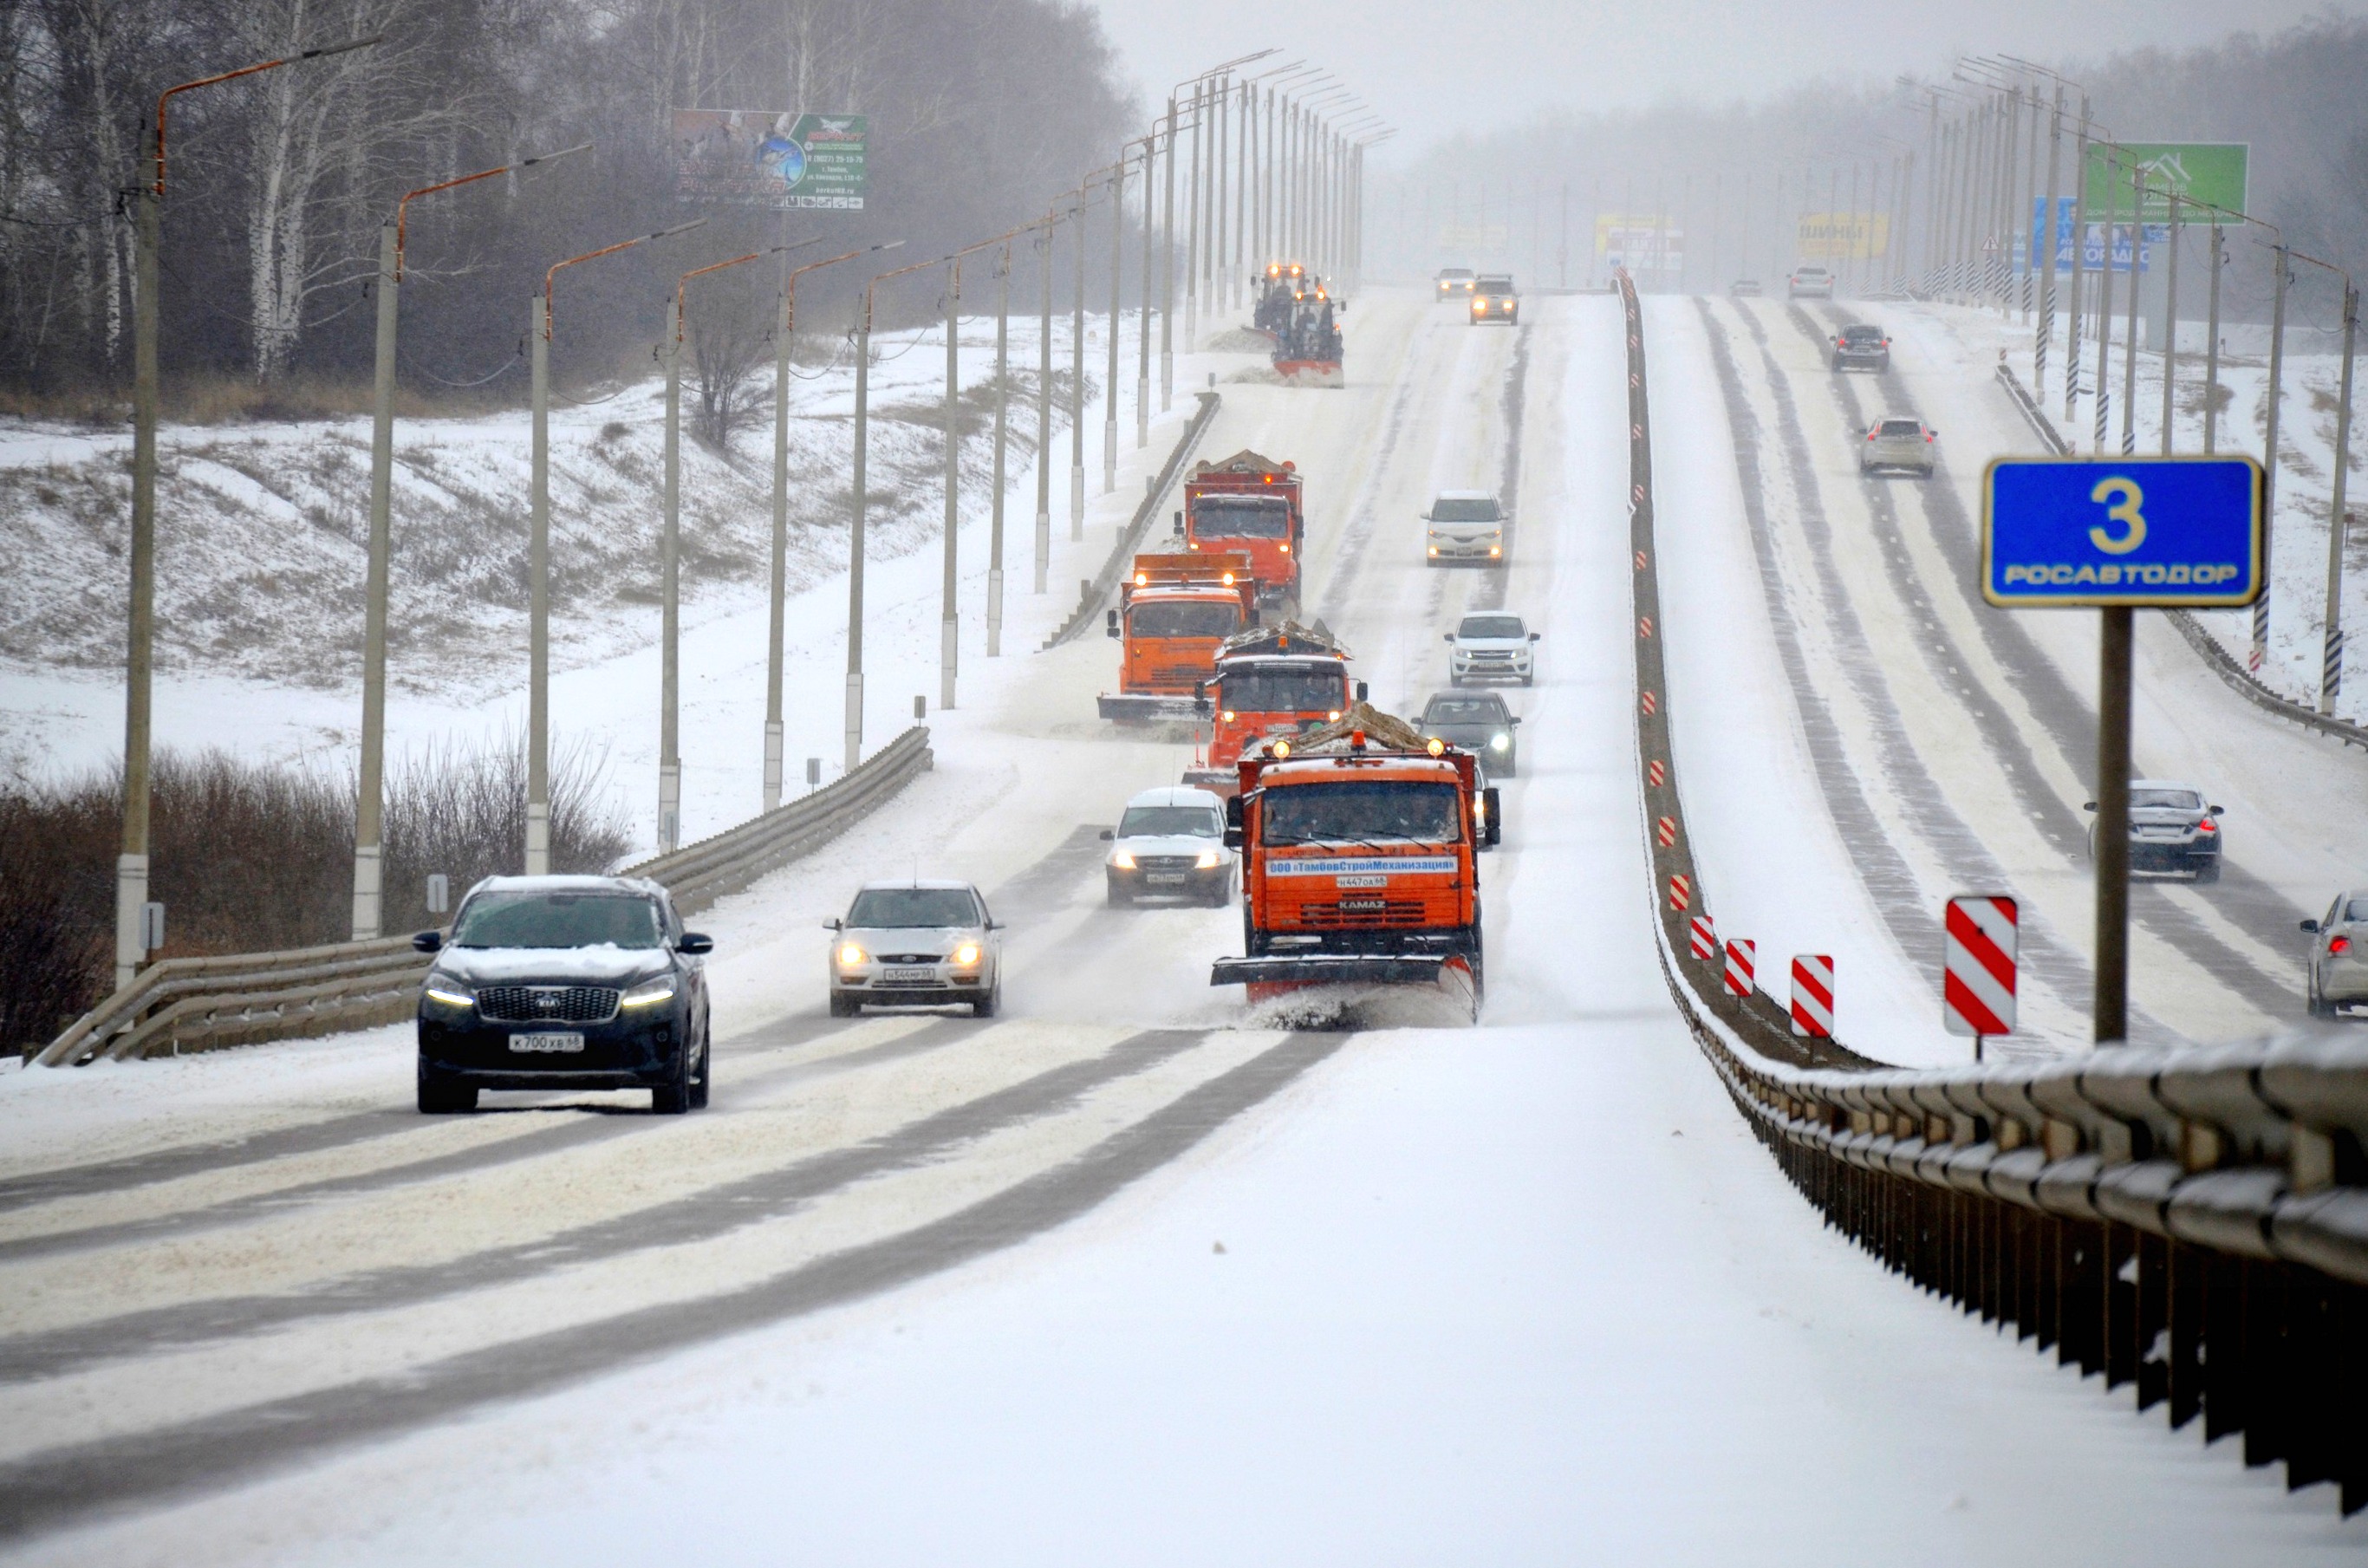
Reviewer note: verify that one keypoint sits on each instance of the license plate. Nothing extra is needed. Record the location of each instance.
(548, 1042)
(1164, 878)
(1361, 881)
(907, 976)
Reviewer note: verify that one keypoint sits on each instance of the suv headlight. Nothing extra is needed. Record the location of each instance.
(1208, 860)
(649, 993)
(451, 992)
(1122, 860)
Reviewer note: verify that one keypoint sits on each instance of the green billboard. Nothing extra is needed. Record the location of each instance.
(2208, 172)
(771, 158)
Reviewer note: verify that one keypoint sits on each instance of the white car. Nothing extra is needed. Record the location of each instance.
(916, 944)
(1809, 283)
(1170, 843)
(1465, 525)
(1491, 645)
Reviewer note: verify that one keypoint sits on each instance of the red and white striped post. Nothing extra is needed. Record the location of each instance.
(1739, 955)
(1813, 995)
(1978, 974)
(1705, 938)
(1681, 891)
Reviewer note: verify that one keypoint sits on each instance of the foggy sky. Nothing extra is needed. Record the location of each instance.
(1436, 68)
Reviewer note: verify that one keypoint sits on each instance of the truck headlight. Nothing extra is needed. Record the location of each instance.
(850, 955)
(449, 992)
(649, 993)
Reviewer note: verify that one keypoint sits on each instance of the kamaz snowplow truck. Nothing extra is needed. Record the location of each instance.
(1360, 845)
(1250, 504)
(1174, 612)
(1271, 682)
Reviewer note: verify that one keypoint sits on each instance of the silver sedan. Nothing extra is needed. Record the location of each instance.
(916, 944)
(2338, 961)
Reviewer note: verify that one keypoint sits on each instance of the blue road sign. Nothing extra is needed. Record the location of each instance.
(2166, 533)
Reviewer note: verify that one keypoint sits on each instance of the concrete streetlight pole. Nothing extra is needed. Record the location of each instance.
(537, 722)
(132, 858)
(775, 635)
(370, 798)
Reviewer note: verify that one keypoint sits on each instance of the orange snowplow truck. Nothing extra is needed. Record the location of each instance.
(1174, 612)
(1270, 681)
(1360, 845)
(1251, 504)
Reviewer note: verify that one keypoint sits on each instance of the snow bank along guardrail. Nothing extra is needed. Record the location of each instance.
(2208, 647)
(187, 1005)
(2193, 1222)
(1121, 555)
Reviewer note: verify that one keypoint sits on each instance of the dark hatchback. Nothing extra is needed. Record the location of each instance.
(565, 983)
(1862, 348)
(1480, 723)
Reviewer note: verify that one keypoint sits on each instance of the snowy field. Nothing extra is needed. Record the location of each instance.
(1122, 1277)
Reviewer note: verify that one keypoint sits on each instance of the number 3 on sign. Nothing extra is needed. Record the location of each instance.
(2124, 511)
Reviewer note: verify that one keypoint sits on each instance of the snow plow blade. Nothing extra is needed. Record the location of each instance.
(1310, 372)
(1330, 969)
(1149, 707)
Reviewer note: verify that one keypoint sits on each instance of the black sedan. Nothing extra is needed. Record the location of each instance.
(565, 983)
(1862, 348)
(1478, 722)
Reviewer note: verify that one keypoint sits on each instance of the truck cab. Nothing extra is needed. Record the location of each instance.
(1359, 860)
(1269, 682)
(1174, 613)
(1250, 506)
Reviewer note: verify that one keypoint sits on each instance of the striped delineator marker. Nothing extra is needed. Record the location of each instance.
(1705, 938)
(1656, 772)
(1978, 974)
(1813, 995)
(1681, 891)
(1649, 702)
(1666, 830)
(1739, 954)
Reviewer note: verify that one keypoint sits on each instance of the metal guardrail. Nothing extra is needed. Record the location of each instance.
(1105, 583)
(204, 1003)
(2192, 1223)
(2238, 678)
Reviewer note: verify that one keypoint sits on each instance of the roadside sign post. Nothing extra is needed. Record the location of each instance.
(1978, 971)
(2118, 535)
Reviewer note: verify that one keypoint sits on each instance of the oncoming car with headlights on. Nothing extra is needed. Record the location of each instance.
(916, 944)
(565, 983)
(1480, 723)
(1170, 843)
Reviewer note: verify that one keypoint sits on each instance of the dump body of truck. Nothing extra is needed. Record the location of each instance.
(1360, 860)
(1270, 682)
(1251, 505)
(1175, 612)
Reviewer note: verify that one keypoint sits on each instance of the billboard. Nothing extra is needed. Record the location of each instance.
(1841, 237)
(769, 158)
(1640, 242)
(2092, 240)
(1482, 237)
(2202, 171)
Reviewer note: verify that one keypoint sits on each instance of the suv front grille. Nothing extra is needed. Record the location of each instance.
(1166, 862)
(546, 1004)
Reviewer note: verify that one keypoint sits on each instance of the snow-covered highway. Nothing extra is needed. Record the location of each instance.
(1124, 1276)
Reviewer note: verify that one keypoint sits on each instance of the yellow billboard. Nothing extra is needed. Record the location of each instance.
(1842, 236)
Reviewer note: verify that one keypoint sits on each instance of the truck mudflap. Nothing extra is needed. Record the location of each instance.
(1335, 969)
(1150, 707)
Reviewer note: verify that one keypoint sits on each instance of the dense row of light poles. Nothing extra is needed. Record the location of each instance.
(1295, 187)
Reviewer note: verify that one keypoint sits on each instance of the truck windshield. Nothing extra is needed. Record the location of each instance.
(876, 908)
(1185, 620)
(1370, 808)
(557, 920)
(1283, 689)
(1241, 517)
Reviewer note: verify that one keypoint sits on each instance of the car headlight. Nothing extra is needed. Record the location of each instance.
(1500, 743)
(649, 993)
(850, 955)
(1208, 860)
(1121, 858)
(966, 956)
(451, 992)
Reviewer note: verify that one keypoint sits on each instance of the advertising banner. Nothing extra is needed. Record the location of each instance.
(769, 158)
(2092, 240)
(1481, 238)
(1842, 236)
(1640, 243)
(2213, 172)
